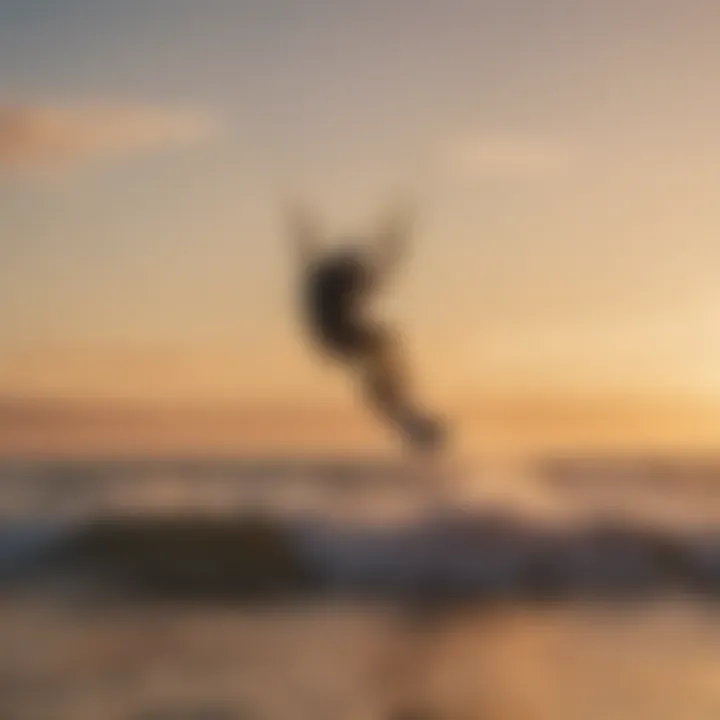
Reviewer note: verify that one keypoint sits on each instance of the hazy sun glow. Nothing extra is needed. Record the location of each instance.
(566, 158)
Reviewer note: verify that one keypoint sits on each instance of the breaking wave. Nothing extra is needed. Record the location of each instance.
(244, 530)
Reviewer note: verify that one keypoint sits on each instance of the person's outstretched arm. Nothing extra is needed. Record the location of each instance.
(305, 234)
(392, 241)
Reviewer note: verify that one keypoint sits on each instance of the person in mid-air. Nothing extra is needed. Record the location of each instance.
(337, 285)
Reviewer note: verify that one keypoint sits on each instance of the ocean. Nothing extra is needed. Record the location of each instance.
(535, 587)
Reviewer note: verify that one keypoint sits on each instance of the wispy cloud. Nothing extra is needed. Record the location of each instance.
(509, 156)
(48, 137)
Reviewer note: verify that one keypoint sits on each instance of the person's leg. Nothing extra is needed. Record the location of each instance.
(381, 370)
(385, 380)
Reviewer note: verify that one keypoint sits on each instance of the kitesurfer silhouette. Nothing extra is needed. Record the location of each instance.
(337, 285)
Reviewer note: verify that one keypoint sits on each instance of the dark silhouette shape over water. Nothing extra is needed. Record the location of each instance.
(465, 558)
(337, 287)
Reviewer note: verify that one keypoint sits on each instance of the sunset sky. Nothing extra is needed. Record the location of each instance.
(565, 154)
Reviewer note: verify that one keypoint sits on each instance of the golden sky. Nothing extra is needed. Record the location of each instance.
(565, 155)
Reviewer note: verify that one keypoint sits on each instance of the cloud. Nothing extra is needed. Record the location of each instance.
(511, 157)
(47, 137)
